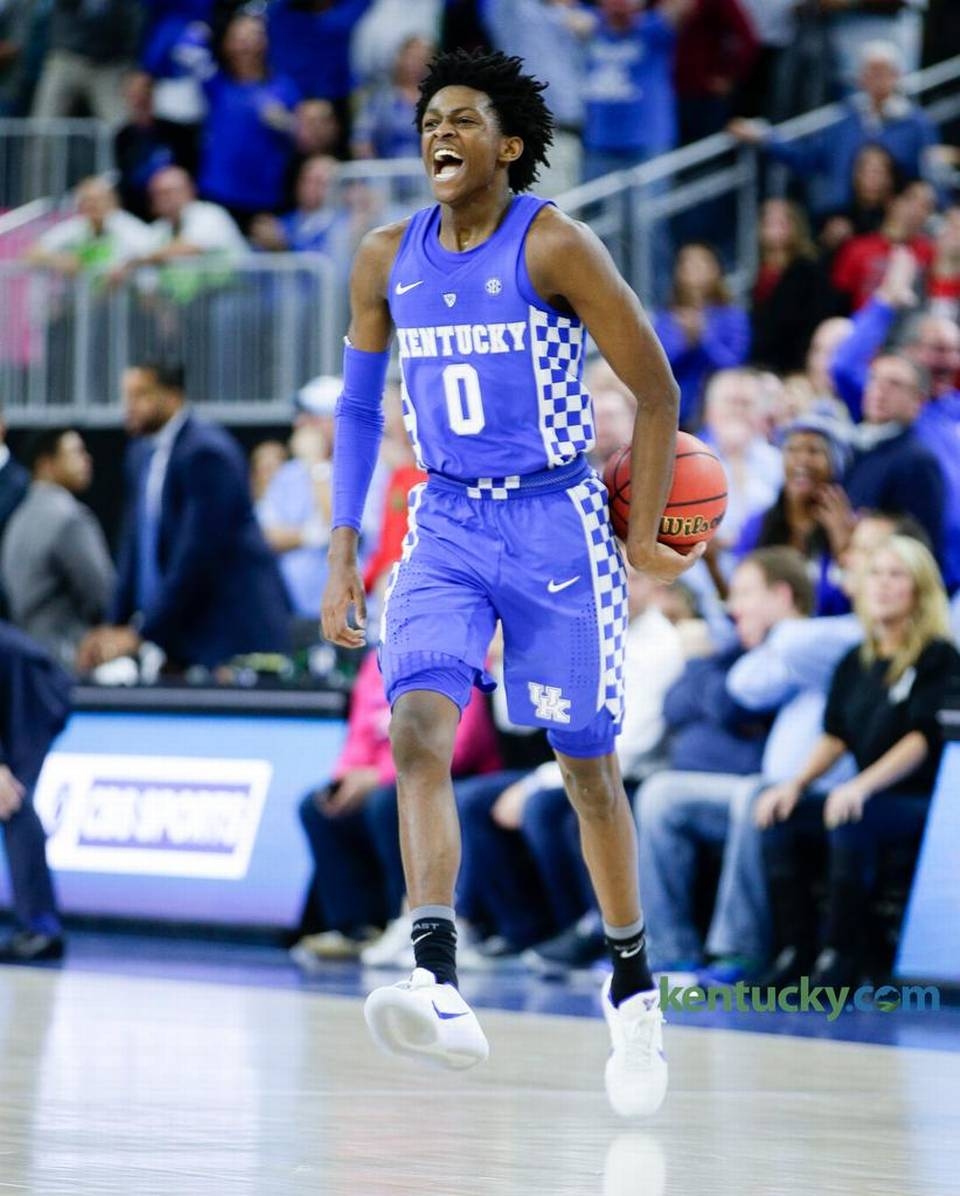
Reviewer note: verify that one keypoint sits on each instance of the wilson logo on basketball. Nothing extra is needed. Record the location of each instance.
(692, 525)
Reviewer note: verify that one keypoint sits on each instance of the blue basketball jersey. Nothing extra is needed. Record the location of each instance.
(491, 374)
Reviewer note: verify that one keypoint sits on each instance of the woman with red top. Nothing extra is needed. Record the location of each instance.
(861, 264)
(943, 287)
(791, 296)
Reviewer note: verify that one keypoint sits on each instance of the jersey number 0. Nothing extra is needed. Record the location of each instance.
(461, 388)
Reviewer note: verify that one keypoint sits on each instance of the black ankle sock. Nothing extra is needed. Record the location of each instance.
(435, 946)
(631, 972)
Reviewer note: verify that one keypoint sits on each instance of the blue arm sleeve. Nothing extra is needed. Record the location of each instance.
(852, 357)
(358, 426)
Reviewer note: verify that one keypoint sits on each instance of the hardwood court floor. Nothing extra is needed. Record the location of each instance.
(137, 1086)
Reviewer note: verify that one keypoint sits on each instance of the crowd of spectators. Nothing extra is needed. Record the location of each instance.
(242, 94)
(804, 655)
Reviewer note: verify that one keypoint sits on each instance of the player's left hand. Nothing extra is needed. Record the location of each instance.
(344, 593)
(662, 562)
(845, 804)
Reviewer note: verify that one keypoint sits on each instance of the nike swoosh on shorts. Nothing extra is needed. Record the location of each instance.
(554, 587)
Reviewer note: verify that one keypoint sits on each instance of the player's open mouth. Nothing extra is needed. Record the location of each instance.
(445, 164)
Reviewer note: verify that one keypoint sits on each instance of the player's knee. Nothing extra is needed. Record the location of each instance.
(594, 787)
(422, 740)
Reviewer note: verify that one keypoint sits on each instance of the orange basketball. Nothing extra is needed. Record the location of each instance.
(698, 494)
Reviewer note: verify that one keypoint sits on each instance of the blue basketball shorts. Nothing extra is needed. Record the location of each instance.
(536, 553)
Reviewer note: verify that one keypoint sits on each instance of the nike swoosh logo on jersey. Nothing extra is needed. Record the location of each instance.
(554, 587)
(402, 288)
(630, 952)
(445, 1017)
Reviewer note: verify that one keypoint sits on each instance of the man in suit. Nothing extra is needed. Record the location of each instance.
(195, 575)
(54, 562)
(34, 704)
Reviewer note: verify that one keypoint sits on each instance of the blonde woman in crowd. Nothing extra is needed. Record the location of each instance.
(882, 708)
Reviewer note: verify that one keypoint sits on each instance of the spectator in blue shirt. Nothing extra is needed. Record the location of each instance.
(707, 801)
(878, 114)
(788, 672)
(546, 34)
(933, 343)
(892, 470)
(174, 43)
(631, 106)
(385, 126)
(313, 225)
(247, 141)
(701, 329)
(310, 44)
(295, 510)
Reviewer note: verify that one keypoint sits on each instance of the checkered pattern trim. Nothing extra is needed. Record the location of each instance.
(494, 487)
(609, 588)
(410, 541)
(566, 418)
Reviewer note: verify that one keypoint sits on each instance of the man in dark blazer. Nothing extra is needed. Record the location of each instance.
(34, 705)
(195, 575)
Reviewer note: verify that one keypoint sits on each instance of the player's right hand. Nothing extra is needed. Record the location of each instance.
(662, 562)
(344, 591)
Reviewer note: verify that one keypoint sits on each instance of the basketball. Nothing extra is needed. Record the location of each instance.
(698, 494)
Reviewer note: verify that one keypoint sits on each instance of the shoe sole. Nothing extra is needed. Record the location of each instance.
(650, 1102)
(401, 1029)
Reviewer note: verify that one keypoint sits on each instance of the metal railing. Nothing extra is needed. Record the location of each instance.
(691, 193)
(251, 336)
(41, 157)
(249, 332)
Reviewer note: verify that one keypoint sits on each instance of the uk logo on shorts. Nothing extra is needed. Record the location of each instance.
(549, 702)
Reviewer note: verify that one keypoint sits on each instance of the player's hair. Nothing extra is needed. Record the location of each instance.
(516, 98)
(781, 565)
(169, 375)
(43, 445)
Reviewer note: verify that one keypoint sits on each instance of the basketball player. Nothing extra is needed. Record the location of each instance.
(491, 293)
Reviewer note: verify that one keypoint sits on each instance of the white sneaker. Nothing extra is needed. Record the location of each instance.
(426, 1020)
(636, 1074)
(393, 949)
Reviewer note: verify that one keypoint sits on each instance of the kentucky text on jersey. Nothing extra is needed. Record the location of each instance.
(462, 340)
(491, 373)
